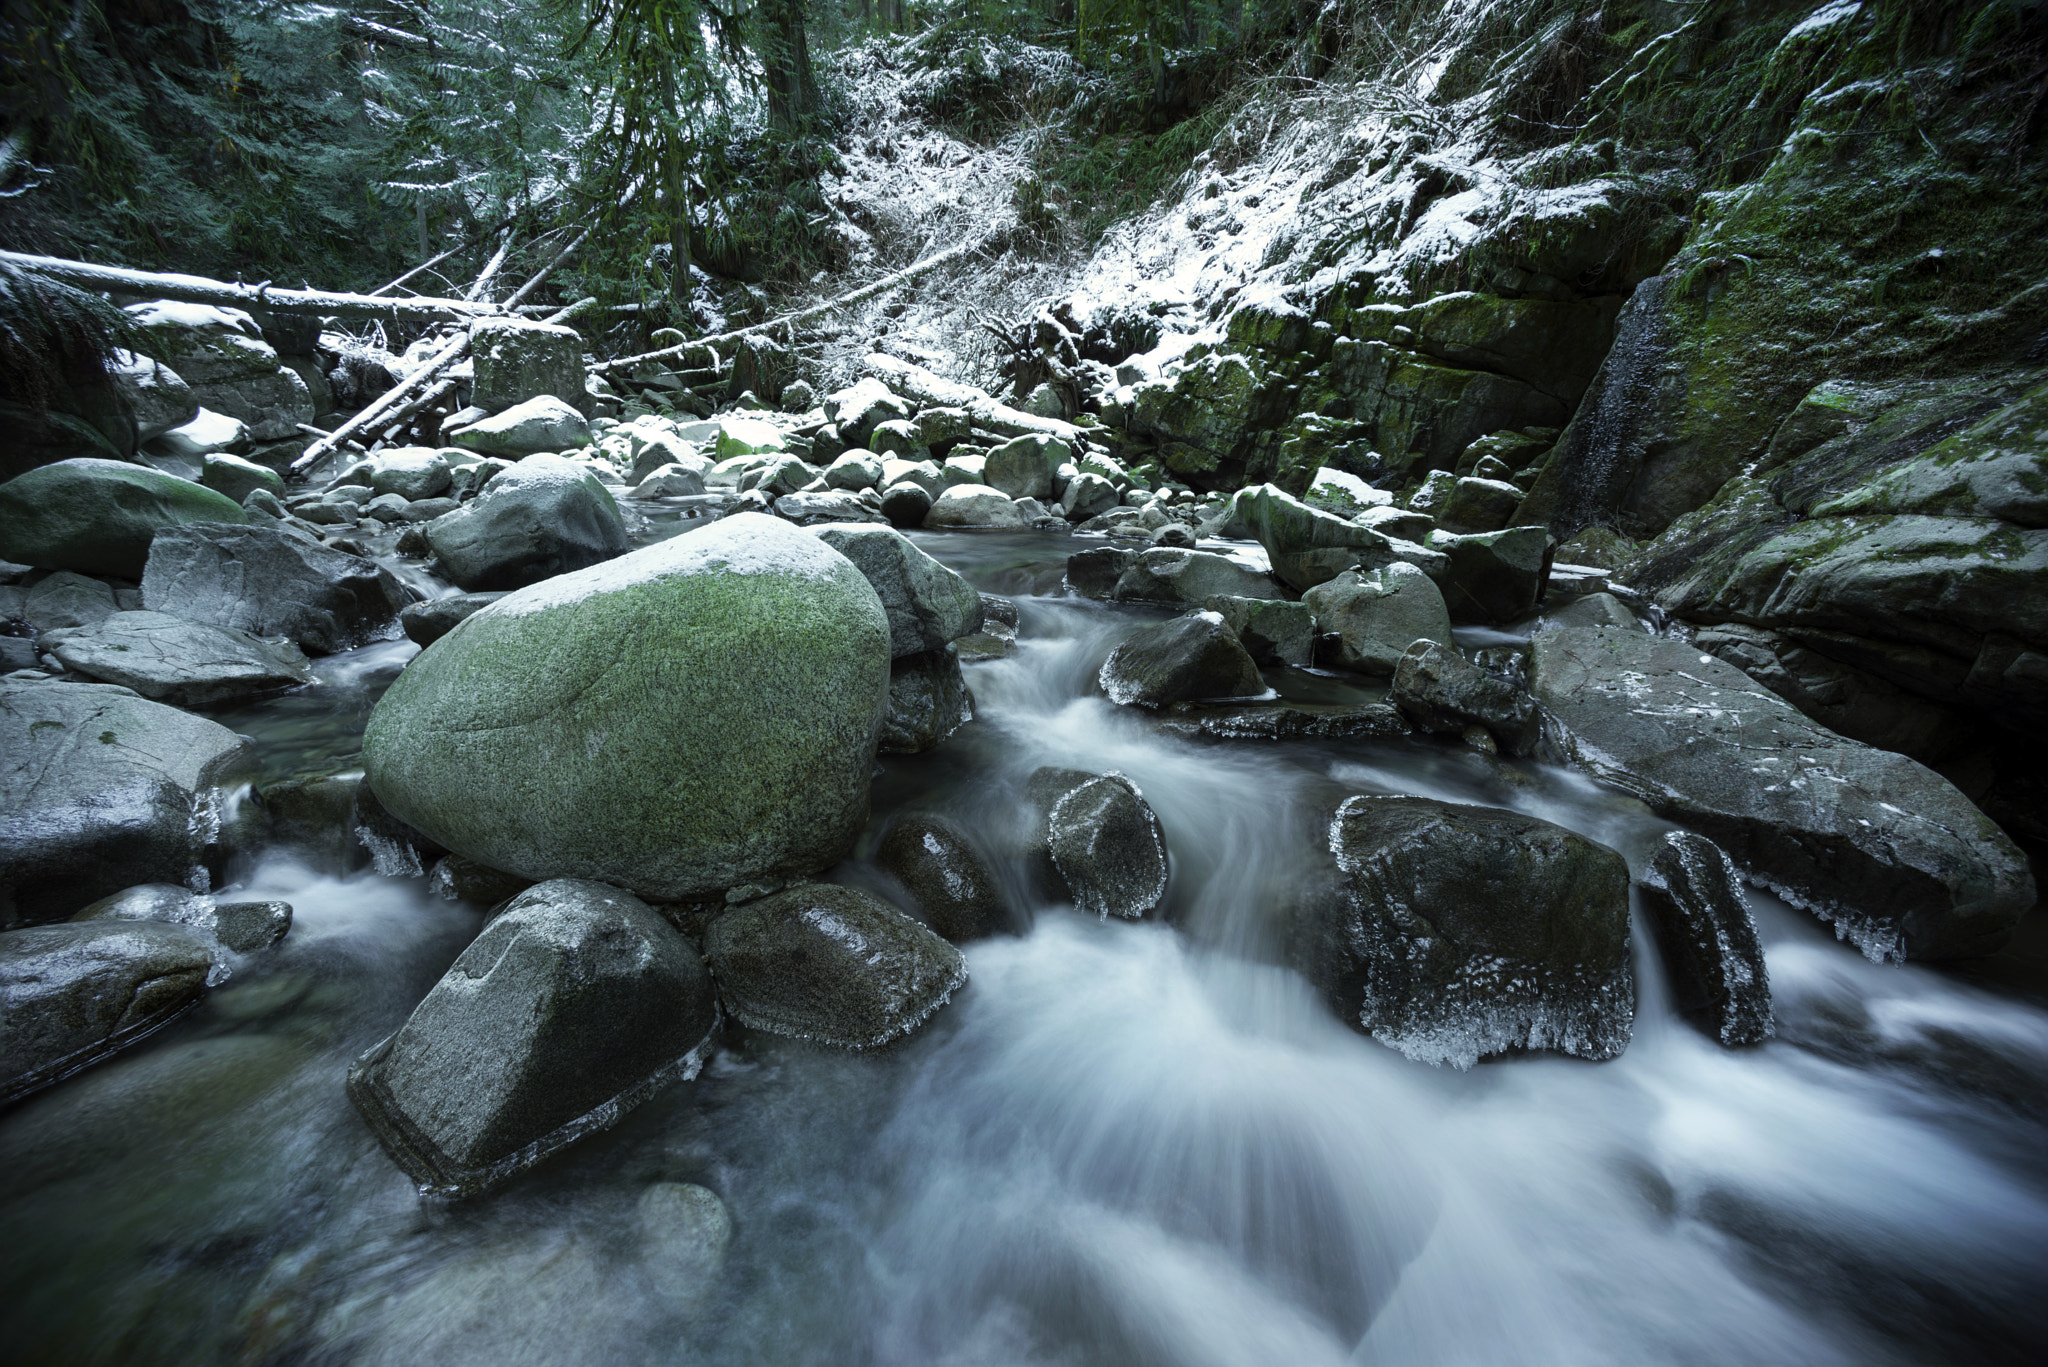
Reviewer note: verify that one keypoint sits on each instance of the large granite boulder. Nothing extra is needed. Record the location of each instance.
(65, 599)
(1457, 932)
(928, 605)
(525, 429)
(1194, 656)
(101, 790)
(1492, 577)
(691, 717)
(974, 505)
(76, 993)
(272, 580)
(99, 516)
(1184, 577)
(1883, 847)
(947, 876)
(543, 517)
(228, 367)
(172, 660)
(1440, 690)
(862, 407)
(1306, 546)
(1377, 614)
(1025, 467)
(1708, 940)
(575, 1004)
(1272, 630)
(517, 361)
(831, 964)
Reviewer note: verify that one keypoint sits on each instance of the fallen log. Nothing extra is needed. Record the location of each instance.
(869, 291)
(197, 289)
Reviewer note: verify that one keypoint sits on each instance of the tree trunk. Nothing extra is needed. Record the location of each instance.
(786, 65)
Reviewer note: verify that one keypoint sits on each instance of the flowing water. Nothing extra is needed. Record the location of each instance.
(1120, 1144)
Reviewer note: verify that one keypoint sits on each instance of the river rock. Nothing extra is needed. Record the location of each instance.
(1193, 656)
(831, 964)
(220, 353)
(1305, 545)
(1087, 495)
(1378, 614)
(184, 663)
(156, 394)
(243, 927)
(928, 701)
(1440, 690)
(1024, 467)
(101, 790)
(1364, 721)
(272, 580)
(65, 600)
(778, 476)
(684, 1233)
(518, 361)
(1479, 505)
(1491, 577)
(98, 516)
(814, 506)
(1096, 841)
(694, 716)
(1462, 931)
(543, 517)
(854, 470)
(542, 424)
(411, 472)
(863, 406)
(238, 478)
(906, 504)
(1272, 630)
(897, 437)
(928, 604)
(1886, 849)
(1186, 578)
(974, 505)
(574, 1005)
(1707, 939)
(426, 623)
(946, 876)
(672, 480)
(76, 993)
(1592, 610)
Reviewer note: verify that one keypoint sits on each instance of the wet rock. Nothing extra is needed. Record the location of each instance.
(1087, 495)
(1186, 578)
(1886, 849)
(169, 659)
(411, 472)
(1173, 536)
(1305, 545)
(1336, 491)
(997, 638)
(101, 790)
(221, 355)
(670, 481)
(1707, 939)
(1272, 630)
(271, 580)
(156, 394)
(243, 927)
(1491, 577)
(928, 605)
(906, 504)
(525, 429)
(99, 516)
(238, 478)
(518, 361)
(946, 875)
(1370, 721)
(1459, 932)
(543, 517)
(1479, 505)
(427, 622)
(1094, 573)
(1593, 610)
(1376, 615)
(1195, 656)
(685, 1231)
(314, 816)
(1106, 847)
(465, 880)
(707, 716)
(928, 701)
(830, 964)
(1024, 467)
(897, 437)
(825, 506)
(1441, 691)
(77, 993)
(574, 1005)
(861, 407)
(974, 505)
(65, 600)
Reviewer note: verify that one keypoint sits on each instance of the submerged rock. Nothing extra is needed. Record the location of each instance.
(946, 875)
(574, 1005)
(543, 517)
(1462, 931)
(101, 790)
(928, 701)
(1195, 656)
(99, 516)
(1886, 849)
(270, 580)
(831, 964)
(76, 993)
(1707, 939)
(170, 659)
(243, 927)
(1368, 721)
(696, 715)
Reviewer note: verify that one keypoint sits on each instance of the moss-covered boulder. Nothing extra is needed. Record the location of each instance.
(99, 516)
(697, 715)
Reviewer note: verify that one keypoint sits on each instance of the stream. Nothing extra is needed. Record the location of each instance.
(1121, 1144)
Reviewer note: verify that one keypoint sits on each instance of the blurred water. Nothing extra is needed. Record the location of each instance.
(1121, 1144)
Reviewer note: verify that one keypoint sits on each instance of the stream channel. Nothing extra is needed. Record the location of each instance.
(1122, 1143)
